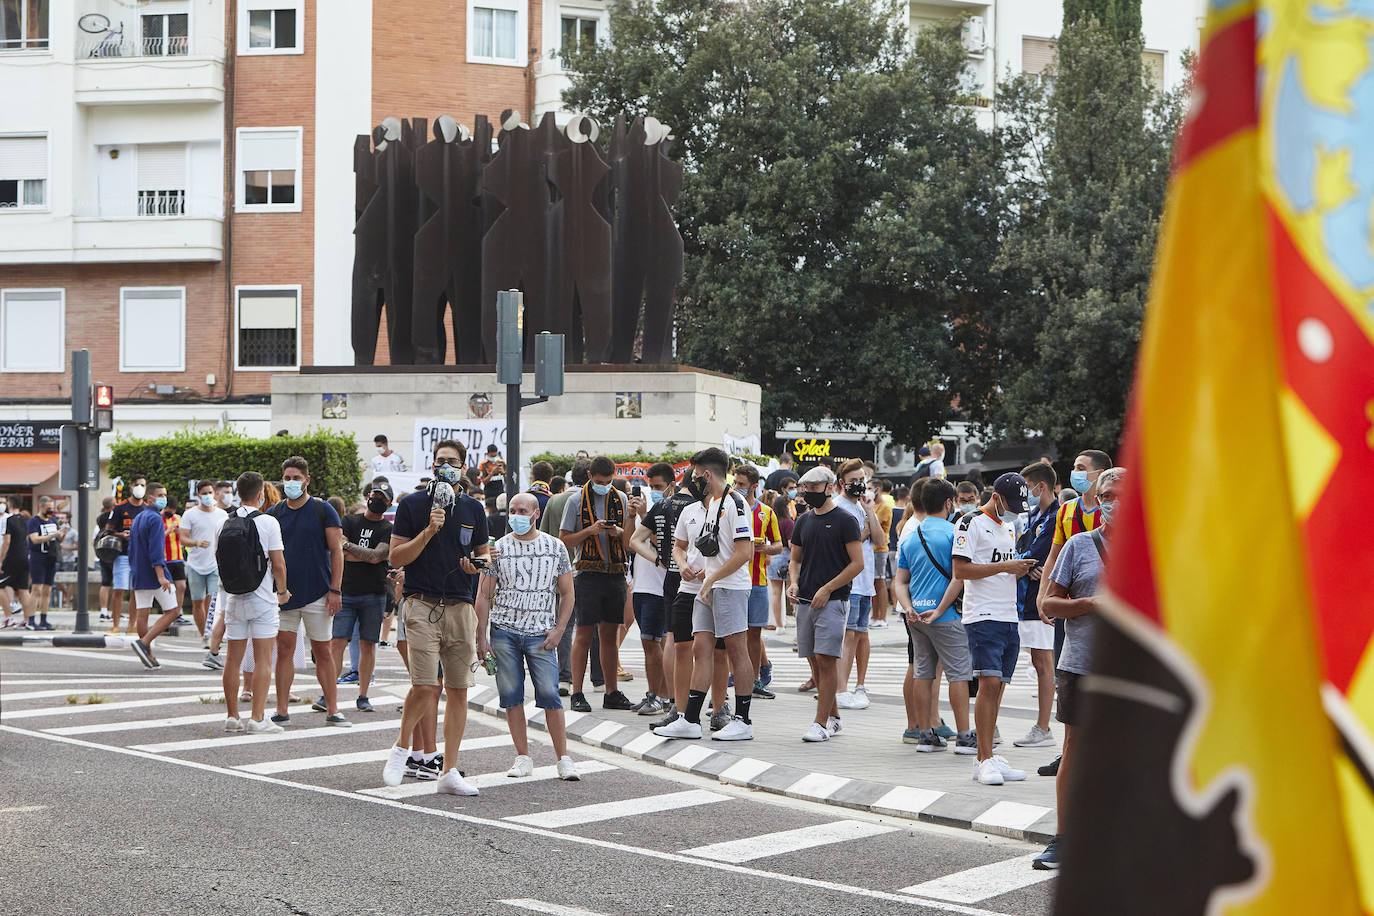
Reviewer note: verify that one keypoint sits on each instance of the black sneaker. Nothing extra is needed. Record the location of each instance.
(763, 693)
(563, 689)
(319, 705)
(647, 701)
(578, 703)
(142, 652)
(412, 765)
(1051, 768)
(364, 704)
(428, 771)
(616, 699)
(1049, 859)
(721, 717)
(669, 717)
(281, 719)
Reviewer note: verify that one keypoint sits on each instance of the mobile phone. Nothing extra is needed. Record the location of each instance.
(636, 490)
(480, 562)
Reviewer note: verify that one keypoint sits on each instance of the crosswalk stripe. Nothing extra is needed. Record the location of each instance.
(983, 882)
(784, 841)
(494, 780)
(98, 685)
(291, 764)
(72, 709)
(324, 731)
(107, 654)
(551, 909)
(587, 814)
(139, 724)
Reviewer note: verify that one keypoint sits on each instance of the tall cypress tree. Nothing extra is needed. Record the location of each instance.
(1121, 18)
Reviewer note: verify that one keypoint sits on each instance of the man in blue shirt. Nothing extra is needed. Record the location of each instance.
(926, 591)
(1036, 633)
(436, 545)
(148, 576)
(312, 538)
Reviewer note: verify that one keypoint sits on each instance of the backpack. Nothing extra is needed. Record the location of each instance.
(242, 564)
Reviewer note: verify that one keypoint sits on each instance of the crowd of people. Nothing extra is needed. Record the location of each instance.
(701, 559)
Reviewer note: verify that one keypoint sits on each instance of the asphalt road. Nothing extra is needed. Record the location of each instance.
(150, 808)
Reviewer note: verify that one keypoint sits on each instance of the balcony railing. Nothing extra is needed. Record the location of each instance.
(161, 203)
(154, 205)
(89, 48)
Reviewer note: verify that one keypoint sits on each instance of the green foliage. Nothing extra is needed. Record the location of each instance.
(225, 453)
(1121, 18)
(1088, 166)
(840, 207)
(562, 464)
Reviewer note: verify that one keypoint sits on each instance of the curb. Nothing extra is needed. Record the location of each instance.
(61, 640)
(1031, 823)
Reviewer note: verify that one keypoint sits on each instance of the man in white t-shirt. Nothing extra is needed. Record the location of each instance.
(984, 548)
(254, 615)
(385, 461)
(719, 530)
(199, 533)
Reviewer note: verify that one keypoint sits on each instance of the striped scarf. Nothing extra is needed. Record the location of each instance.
(590, 558)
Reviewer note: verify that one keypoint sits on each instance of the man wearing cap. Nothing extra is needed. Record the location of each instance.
(984, 551)
(366, 546)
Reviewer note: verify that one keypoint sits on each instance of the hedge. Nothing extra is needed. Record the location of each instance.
(225, 453)
(562, 464)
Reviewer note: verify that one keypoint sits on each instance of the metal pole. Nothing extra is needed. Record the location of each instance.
(512, 442)
(83, 529)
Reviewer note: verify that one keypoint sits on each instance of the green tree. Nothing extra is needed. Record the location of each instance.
(1088, 152)
(840, 207)
(1121, 18)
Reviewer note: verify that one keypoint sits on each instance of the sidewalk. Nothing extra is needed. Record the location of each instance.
(866, 766)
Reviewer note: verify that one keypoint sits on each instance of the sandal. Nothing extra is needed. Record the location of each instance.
(809, 685)
(771, 627)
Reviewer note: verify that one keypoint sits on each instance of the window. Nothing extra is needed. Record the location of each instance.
(32, 330)
(162, 179)
(152, 329)
(579, 34)
(164, 34)
(23, 173)
(1154, 69)
(267, 323)
(269, 162)
(496, 30)
(1038, 56)
(270, 27)
(23, 25)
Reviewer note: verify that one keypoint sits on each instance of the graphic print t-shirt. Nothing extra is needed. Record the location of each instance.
(981, 539)
(526, 573)
(365, 578)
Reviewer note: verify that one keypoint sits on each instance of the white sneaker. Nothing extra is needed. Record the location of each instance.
(523, 766)
(567, 770)
(735, 730)
(859, 698)
(453, 783)
(988, 773)
(878, 624)
(1036, 737)
(817, 732)
(845, 700)
(395, 768)
(679, 728)
(1009, 772)
(232, 725)
(833, 725)
(262, 727)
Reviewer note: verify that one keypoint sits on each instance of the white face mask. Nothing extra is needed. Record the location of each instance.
(226, 499)
(380, 449)
(138, 490)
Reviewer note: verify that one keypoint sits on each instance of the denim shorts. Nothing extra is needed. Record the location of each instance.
(364, 610)
(758, 606)
(651, 613)
(776, 570)
(994, 645)
(121, 572)
(860, 607)
(201, 585)
(513, 652)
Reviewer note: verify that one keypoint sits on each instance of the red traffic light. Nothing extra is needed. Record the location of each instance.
(104, 396)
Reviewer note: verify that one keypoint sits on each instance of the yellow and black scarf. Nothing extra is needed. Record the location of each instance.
(590, 558)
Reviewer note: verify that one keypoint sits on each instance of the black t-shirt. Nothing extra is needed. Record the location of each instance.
(365, 578)
(17, 557)
(497, 526)
(102, 521)
(775, 479)
(122, 516)
(662, 521)
(822, 539)
(436, 571)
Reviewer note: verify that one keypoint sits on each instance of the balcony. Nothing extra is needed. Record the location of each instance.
(122, 59)
(162, 226)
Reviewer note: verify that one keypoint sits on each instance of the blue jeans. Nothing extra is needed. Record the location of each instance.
(364, 610)
(860, 606)
(758, 606)
(513, 652)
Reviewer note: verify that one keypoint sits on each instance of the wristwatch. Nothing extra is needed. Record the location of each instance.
(335, 591)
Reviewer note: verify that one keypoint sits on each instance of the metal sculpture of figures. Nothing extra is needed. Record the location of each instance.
(448, 244)
(443, 225)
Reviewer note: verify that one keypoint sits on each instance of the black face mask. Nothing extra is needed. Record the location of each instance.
(814, 500)
(697, 487)
(377, 505)
(855, 489)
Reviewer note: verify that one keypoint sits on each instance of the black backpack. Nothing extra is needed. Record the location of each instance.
(242, 564)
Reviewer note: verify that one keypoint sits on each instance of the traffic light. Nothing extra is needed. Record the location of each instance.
(103, 399)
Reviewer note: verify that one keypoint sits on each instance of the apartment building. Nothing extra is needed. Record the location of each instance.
(176, 186)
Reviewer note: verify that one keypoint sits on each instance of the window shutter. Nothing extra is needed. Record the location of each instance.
(1037, 55)
(276, 309)
(261, 150)
(162, 167)
(23, 157)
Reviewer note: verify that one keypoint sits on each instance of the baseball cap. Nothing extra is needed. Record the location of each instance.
(383, 488)
(923, 451)
(1012, 488)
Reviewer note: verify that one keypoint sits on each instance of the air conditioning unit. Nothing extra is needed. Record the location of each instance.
(973, 452)
(973, 35)
(894, 457)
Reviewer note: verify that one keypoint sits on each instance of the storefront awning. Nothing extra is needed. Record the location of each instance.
(27, 469)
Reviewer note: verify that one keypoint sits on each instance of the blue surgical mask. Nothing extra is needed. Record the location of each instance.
(293, 488)
(1108, 512)
(792, 493)
(655, 496)
(160, 503)
(207, 499)
(521, 524)
(1079, 481)
(601, 489)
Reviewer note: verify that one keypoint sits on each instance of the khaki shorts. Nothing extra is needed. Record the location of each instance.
(450, 639)
(319, 625)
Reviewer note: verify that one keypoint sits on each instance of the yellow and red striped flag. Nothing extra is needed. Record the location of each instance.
(1226, 766)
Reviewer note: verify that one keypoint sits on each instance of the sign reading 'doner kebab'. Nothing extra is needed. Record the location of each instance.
(31, 436)
(810, 451)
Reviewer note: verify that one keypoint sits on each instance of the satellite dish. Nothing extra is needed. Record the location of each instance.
(446, 127)
(510, 119)
(581, 128)
(391, 128)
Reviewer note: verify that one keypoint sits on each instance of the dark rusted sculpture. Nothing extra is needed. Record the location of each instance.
(582, 309)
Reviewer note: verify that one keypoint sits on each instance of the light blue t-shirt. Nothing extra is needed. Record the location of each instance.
(928, 584)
